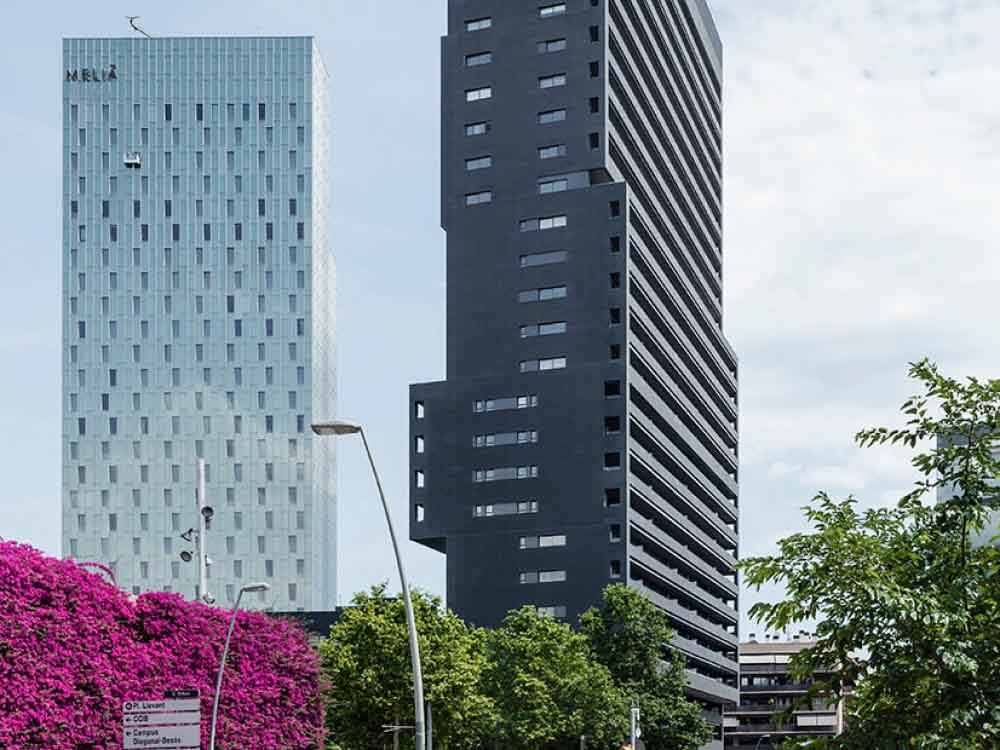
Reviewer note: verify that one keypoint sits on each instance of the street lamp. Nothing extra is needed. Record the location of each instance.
(761, 739)
(341, 427)
(248, 589)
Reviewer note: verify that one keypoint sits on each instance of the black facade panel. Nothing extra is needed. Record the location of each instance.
(588, 285)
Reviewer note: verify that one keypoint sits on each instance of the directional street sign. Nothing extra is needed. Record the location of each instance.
(183, 704)
(173, 722)
(143, 738)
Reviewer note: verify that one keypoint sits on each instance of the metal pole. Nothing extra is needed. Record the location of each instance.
(418, 681)
(222, 666)
(202, 531)
(634, 725)
(430, 727)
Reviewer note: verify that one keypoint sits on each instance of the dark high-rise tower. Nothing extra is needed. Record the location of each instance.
(586, 432)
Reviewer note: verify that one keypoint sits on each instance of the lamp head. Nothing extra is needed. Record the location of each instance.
(336, 427)
(253, 587)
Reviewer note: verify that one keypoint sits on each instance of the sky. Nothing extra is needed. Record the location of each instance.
(861, 169)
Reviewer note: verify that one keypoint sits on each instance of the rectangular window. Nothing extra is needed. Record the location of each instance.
(551, 45)
(479, 162)
(478, 24)
(480, 58)
(555, 611)
(505, 473)
(540, 542)
(548, 11)
(553, 81)
(477, 128)
(545, 222)
(520, 507)
(475, 199)
(558, 185)
(551, 576)
(543, 294)
(475, 95)
(550, 116)
(542, 329)
(552, 152)
(543, 365)
(503, 404)
(493, 440)
(544, 259)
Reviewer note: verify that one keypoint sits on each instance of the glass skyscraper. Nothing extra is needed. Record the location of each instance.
(198, 313)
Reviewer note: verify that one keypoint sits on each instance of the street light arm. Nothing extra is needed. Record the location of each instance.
(418, 684)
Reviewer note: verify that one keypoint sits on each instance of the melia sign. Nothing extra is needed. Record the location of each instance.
(93, 74)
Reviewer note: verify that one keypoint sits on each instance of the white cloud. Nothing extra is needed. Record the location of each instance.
(862, 149)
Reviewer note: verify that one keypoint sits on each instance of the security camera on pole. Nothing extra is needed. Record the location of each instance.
(205, 513)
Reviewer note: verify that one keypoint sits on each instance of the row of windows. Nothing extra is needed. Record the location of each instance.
(543, 329)
(504, 438)
(542, 541)
(268, 328)
(543, 365)
(177, 279)
(230, 495)
(175, 473)
(505, 473)
(206, 232)
(263, 449)
(544, 11)
(176, 255)
(237, 426)
(183, 397)
(168, 354)
(519, 507)
(175, 183)
(199, 111)
(504, 404)
(81, 377)
(177, 140)
(107, 207)
(177, 525)
(542, 576)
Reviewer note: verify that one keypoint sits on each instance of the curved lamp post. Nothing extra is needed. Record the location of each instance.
(342, 427)
(248, 589)
(761, 739)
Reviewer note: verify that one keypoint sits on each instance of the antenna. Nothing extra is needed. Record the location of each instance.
(131, 22)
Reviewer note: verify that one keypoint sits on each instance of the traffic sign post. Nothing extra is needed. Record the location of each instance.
(173, 722)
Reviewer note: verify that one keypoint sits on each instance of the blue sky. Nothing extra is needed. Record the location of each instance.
(862, 169)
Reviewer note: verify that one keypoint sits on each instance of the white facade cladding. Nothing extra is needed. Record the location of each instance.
(198, 313)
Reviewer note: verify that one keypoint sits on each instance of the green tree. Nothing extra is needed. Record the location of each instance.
(366, 661)
(631, 637)
(548, 690)
(906, 607)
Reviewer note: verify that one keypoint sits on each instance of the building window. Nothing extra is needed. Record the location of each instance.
(480, 58)
(543, 259)
(492, 440)
(612, 425)
(550, 116)
(553, 81)
(552, 152)
(475, 95)
(418, 444)
(542, 365)
(615, 533)
(476, 199)
(505, 473)
(418, 512)
(520, 507)
(543, 294)
(551, 45)
(478, 162)
(478, 24)
(548, 11)
(543, 576)
(615, 570)
(419, 479)
(555, 611)
(543, 223)
(543, 541)
(418, 409)
(612, 460)
(612, 497)
(503, 404)
(477, 128)
(542, 329)
(558, 185)
(612, 388)
(614, 209)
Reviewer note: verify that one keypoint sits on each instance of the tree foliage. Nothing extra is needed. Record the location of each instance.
(630, 636)
(73, 648)
(548, 689)
(366, 659)
(906, 606)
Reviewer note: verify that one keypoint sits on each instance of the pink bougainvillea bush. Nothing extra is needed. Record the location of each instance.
(73, 648)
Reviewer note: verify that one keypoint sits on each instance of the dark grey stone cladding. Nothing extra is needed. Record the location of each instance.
(643, 341)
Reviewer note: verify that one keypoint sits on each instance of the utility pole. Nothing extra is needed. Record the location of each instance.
(430, 728)
(204, 521)
(635, 732)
